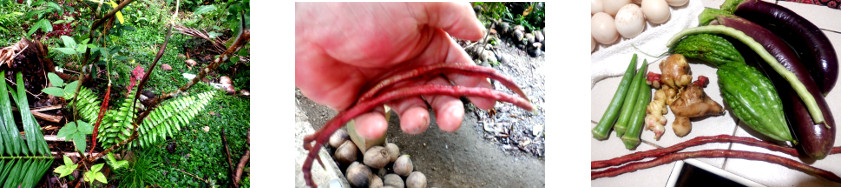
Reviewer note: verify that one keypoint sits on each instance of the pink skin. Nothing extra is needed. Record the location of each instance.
(342, 46)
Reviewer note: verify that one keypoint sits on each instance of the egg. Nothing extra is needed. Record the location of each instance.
(656, 11)
(677, 3)
(596, 6)
(629, 21)
(603, 29)
(592, 44)
(613, 6)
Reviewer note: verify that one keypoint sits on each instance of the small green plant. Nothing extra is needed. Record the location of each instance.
(140, 172)
(76, 131)
(43, 8)
(59, 88)
(72, 48)
(95, 174)
(67, 168)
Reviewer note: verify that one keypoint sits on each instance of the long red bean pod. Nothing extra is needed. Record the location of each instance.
(102, 111)
(695, 142)
(436, 70)
(689, 143)
(716, 153)
(322, 135)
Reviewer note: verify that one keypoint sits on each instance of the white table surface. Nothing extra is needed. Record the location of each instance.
(748, 172)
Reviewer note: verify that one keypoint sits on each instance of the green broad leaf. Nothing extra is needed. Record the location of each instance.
(54, 91)
(67, 160)
(67, 130)
(79, 140)
(234, 59)
(100, 177)
(97, 167)
(65, 169)
(89, 177)
(55, 7)
(70, 89)
(65, 50)
(213, 34)
(33, 28)
(55, 80)
(84, 127)
(204, 9)
(68, 41)
(81, 49)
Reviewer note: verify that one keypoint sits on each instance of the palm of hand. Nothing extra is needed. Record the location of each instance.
(341, 49)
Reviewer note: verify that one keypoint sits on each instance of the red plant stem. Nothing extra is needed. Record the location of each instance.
(689, 143)
(321, 136)
(436, 70)
(716, 153)
(102, 110)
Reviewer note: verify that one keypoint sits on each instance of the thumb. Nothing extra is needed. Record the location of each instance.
(457, 19)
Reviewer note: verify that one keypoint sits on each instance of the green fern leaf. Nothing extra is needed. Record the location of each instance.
(169, 118)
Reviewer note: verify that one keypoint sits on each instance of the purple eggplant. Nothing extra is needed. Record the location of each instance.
(816, 139)
(807, 40)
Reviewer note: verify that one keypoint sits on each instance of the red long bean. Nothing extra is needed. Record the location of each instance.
(322, 135)
(436, 70)
(689, 143)
(102, 110)
(717, 153)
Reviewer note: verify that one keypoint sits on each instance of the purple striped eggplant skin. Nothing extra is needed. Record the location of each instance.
(774, 45)
(816, 140)
(807, 40)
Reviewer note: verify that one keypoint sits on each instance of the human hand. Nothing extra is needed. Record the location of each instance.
(340, 47)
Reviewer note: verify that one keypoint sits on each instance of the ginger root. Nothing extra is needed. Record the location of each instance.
(654, 119)
(686, 100)
(675, 72)
(692, 102)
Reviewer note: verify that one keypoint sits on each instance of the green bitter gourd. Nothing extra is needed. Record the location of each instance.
(745, 89)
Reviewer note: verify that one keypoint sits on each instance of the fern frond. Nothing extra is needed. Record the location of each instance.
(22, 162)
(116, 125)
(87, 105)
(167, 119)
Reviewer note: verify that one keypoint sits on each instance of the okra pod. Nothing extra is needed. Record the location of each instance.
(630, 101)
(602, 129)
(631, 138)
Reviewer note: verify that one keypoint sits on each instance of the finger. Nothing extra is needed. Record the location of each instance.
(449, 111)
(458, 19)
(414, 114)
(371, 125)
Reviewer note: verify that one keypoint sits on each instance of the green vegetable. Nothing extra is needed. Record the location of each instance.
(631, 138)
(750, 94)
(710, 48)
(754, 100)
(602, 130)
(710, 14)
(630, 101)
(798, 86)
